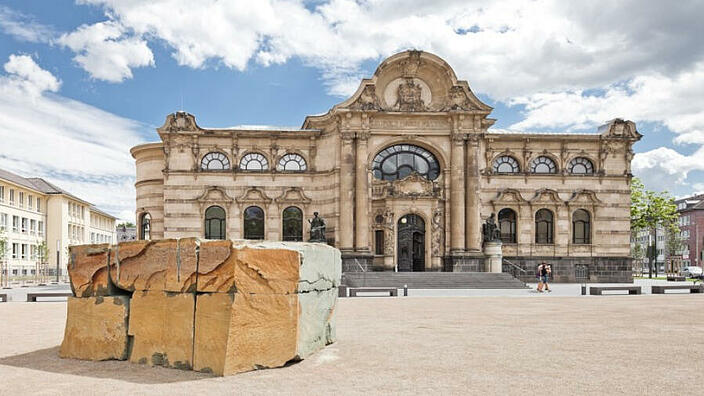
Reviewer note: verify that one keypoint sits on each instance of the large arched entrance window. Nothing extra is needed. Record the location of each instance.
(543, 226)
(507, 225)
(215, 223)
(581, 227)
(292, 224)
(400, 160)
(411, 243)
(145, 227)
(253, 223)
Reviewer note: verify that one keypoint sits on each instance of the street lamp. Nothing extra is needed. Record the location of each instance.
(58, 258)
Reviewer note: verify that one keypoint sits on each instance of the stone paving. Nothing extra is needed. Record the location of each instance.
(554, 345)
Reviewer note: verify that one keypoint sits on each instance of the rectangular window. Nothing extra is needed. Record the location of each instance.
(21, 199)
(15, 223)
(25, 227)
(40, 228)
(33, 227)
(33, 252)
(30, 202)
(3, 221)
(15, 250)
(39, 204)
(24, 251)
(12, 197)
(379, 242)
(2, 193)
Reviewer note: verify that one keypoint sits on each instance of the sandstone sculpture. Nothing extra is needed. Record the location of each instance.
(222, 307)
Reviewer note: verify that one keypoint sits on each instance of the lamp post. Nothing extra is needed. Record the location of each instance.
(58, 258)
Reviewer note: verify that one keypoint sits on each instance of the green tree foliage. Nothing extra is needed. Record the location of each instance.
(3, 245)
(126, 224)
(650, 209)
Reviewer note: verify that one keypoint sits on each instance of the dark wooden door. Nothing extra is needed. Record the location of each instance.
(411, 243)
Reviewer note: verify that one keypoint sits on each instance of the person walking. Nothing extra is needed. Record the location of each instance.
(539, 275)
(545, 273)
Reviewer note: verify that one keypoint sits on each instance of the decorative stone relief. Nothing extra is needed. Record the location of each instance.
(410, 66)
(457, 100)
(408, 94)
(388, 232)
(367, 100)
(438, 232)
(181, 121)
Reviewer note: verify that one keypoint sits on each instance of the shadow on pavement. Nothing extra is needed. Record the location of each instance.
(48, 360)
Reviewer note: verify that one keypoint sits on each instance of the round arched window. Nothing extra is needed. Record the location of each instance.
(543, 164)
(254, 162)
(398, 161)
(145, 227)
(215, 161)
(215, 223)
(292, 163)
(581, 166)
(505, 164)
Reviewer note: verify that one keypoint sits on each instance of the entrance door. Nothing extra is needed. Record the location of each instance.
(411, 243)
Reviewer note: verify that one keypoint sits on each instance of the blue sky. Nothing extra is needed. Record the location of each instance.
(83, 81)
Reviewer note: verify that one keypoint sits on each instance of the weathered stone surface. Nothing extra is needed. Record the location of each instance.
(96, 328)
(88, 270)
(162, 326)
(164, 265)
(316, 321)
(241, 332)
(247, 270)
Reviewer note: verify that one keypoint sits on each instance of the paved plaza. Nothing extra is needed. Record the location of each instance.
(447, 345)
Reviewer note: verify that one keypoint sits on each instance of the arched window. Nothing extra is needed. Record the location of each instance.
(291, 163)
(581, 166)
(215, 161)
(292, 224)
(543, 226)
(581, 227)
(543, 164)
(505, 164)
(145, 227)
(215, 223)
(507, 225)
(254, 162)
(253, 223)
(398, 161)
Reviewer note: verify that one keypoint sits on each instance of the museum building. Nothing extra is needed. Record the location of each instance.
(404, 173)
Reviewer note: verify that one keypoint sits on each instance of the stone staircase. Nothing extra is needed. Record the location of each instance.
(433, 280)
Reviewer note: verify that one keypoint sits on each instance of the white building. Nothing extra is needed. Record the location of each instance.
(34, 212)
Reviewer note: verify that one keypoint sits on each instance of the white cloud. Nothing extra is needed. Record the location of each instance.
(80, 148)
(106, 51)
(23, 27)
(666, 169)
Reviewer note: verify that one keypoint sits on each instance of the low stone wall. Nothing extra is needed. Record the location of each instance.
(601, 269)
(213, 306)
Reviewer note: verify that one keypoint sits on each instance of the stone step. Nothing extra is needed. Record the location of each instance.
(433, 280)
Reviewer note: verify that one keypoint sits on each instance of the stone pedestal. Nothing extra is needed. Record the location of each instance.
(493, 260)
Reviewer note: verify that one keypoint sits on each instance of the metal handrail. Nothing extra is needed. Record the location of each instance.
(515, 266)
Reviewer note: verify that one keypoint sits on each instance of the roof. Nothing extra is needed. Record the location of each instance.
(499, 131)
(43, 186)
(98, 211)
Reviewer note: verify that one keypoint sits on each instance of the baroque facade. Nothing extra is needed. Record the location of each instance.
(404, 172)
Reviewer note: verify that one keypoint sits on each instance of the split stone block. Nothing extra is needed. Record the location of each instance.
(96, 328)
(163, 265)
(242, 332)
(88, 270)
(316, 322)
(247, 270)
(162, 326)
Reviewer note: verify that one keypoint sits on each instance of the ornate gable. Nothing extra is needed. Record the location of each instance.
(583, 198)
(293, 195)
(545, 196)
(254, 195)
(214, 194)
(508, 196)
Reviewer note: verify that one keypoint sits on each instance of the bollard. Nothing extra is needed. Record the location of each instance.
(584, 290)
(405, 290)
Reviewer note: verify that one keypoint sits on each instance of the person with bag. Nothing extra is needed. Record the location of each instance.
(539, 275)
(545, 273)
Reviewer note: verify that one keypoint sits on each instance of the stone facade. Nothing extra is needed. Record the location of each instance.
(404, 172)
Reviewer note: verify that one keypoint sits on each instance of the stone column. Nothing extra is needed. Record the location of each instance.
(457, 191)
(346, 232)
(361, 195)
(473, 238)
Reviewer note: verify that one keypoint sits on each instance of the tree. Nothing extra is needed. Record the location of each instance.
(127, 224)
(638, 255)
(42, 261)
(673, 245)
(650, 209)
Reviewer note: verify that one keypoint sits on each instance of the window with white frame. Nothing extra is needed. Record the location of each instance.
(15, 250)
(15, 223)
(25, 227)
(30, 202)
(21, 199)
(3, 221)
(25, 248)
(33, 227)
(12, 197)
(39, 204)
(40, 228)
(2, 193)
(33, 252)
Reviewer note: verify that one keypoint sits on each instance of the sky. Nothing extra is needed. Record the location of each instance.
(83, 81)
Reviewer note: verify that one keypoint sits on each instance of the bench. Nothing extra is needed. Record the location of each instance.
(393, 292)
(676, 278)
(692, 288)
(597, 290)
(32, 297)
(3, 297)
(342, 291)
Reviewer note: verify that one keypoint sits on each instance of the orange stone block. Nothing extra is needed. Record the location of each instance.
(162, 326)
(241, 332)
(247, 270)
(88, 270)
(164, 265)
